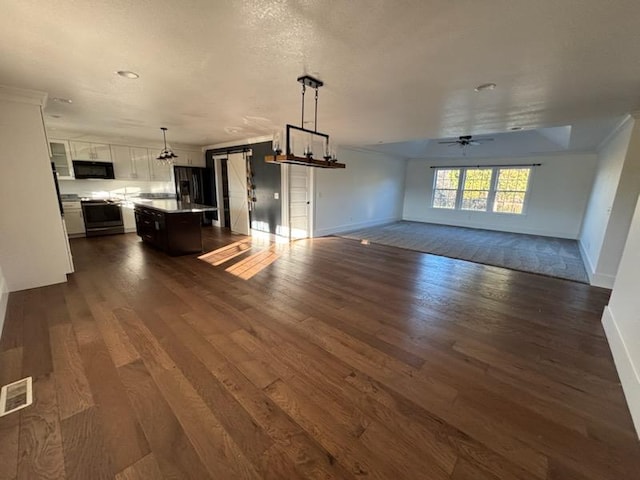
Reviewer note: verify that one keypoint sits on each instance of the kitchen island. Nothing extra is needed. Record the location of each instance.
(170, 225)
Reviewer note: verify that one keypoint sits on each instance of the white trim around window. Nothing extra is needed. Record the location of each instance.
(503, 190)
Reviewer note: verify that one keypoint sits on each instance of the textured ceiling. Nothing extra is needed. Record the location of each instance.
(215, 71)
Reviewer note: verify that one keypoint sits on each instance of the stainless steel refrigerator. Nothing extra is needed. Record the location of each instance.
(197, 185)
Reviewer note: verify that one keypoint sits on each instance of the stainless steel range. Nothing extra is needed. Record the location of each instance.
(102, 217)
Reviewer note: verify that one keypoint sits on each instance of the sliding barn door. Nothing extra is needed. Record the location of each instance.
(238, 200)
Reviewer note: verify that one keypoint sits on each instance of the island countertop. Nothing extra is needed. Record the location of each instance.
(172, 206)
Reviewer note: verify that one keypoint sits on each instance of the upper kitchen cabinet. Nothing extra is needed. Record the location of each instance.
(189, 159)
(122, 164)
(130, 163)
(98, 152)
(102, 152)
(140, 159)
(61, 157)
(160, 171)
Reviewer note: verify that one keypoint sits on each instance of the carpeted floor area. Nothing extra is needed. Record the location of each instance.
(555, 257)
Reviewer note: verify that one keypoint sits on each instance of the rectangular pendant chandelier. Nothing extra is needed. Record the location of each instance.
(328, 159)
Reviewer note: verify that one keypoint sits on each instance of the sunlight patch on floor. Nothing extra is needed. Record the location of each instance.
(226, 253)
(264, 249)
(253, 264)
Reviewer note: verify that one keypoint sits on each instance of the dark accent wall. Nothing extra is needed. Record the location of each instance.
(211, 183)
(266, 177)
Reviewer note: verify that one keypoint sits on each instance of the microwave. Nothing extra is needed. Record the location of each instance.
(85, 169)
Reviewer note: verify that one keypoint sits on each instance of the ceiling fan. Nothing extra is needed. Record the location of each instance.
(466, 140)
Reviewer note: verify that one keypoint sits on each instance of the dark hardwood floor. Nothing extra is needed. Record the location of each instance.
(326, 359)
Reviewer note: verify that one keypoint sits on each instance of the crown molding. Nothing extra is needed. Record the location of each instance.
(627, 118)
(21, 95)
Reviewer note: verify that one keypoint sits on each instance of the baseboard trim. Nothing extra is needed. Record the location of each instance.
(586, 259)
(595, 279)
(602, 280)
(323, 232)
(629, 377)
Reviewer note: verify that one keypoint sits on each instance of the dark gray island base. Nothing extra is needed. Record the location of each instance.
(171, 226)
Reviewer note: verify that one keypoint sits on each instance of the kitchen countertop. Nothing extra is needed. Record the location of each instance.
(173, 206)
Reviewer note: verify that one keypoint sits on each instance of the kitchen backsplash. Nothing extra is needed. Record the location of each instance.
(114, 188)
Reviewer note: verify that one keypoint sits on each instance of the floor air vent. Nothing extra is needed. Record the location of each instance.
(15, 396)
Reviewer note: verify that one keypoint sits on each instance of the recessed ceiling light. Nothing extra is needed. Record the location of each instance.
(485, 86)
(128, 74)
(513, 129)
(62, 100)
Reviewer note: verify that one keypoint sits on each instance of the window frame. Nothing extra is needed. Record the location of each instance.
(495, 170)
(490, 192)
(526, 191)
(456, 203)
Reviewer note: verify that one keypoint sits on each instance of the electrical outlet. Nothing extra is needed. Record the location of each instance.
(276, 196)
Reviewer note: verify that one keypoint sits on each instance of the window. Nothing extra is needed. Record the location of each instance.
(475, 192)
(446, 188)
(482, 189)
(511, 189)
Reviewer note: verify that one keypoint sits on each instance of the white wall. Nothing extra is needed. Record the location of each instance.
(610, 160)
(621, 319)
(368, 192)
(623, 208)
(33, 248)
(557, 198)
(612, 202)
(4, 298)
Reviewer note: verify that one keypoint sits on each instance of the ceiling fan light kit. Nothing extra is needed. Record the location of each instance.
(166, 155)
(465, 141)
(329, 158)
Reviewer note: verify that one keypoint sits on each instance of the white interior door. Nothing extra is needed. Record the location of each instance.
(238, 199)
(299, 198)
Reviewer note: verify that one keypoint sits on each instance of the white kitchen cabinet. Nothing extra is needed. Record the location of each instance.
(130, 163)
(182, 160)
(160, 171)
(188, 158)
(197, 159)
(140, 159)
(102, 152)
(98, 152)
(73, 219)
(128, 218)
(61, 157)
(81, 151)
(123, 168)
